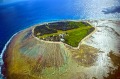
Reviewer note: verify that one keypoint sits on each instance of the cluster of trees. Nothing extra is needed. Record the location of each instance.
(53, 27)
(64, 25)
(43, 29)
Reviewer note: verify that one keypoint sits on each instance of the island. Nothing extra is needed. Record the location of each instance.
(64, 50)
(69, 32)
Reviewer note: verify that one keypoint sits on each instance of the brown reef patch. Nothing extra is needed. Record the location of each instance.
(116, 62)
(85, 55)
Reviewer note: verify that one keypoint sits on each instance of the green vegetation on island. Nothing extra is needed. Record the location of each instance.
(69, 32)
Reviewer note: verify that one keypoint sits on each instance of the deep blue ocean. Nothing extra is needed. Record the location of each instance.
(16, 15)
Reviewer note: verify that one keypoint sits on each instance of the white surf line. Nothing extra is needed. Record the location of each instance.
(5, 47)
(1, 55)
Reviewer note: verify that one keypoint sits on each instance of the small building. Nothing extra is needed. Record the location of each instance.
(62, 40)
(61, 35)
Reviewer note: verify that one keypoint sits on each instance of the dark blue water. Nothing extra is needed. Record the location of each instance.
(18, 15)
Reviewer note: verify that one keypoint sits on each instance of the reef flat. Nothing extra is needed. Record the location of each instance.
(29, 57)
